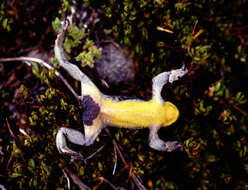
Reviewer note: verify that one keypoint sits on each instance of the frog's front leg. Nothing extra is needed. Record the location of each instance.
(161, 79)
(156, 143)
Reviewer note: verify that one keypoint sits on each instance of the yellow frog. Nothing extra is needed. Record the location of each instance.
(101, 110)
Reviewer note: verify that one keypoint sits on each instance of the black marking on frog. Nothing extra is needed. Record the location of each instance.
(91, 110)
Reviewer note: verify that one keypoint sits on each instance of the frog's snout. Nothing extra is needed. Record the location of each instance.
(172, 113)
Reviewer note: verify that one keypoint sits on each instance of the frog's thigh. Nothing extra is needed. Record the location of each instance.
(92, 131)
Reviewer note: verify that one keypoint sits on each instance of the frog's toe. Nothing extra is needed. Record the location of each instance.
(172, 145)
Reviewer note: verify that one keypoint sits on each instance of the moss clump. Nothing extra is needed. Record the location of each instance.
(210, 38)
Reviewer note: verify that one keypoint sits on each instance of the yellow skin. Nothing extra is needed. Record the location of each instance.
(139, 113)
(103, 110)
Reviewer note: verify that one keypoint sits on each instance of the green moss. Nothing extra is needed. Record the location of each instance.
(210, 38)
(5, 20)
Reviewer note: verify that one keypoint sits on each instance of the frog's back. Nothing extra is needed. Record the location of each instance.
(132, 113)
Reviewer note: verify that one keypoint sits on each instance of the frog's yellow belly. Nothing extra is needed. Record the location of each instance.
(133, 113)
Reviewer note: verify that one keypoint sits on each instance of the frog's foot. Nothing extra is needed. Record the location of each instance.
(73, 136)
(172, 145)
(176, 74)
(167, 146)
(156, 143)
(163, 78)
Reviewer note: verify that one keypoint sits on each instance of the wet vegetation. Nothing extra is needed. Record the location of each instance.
(209, 37)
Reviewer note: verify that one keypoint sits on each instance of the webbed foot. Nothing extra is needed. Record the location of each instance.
(167, 146)
(172, 145)
(176, 74)
(73, 136)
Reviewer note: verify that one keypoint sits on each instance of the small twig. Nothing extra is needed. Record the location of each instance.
(115, 165)
(99, 184)
(77, 181)
(2, 155)
(122, 169)
(10, 159)
(193, 31)
(240, 110)
(164, 30)
(198, 34)
(91, 17)
(89, 157)
(67, 179)
(130, 170)
(42, 63)
(102, 179)
(24, 133)
(134, 178)
(12, 154)
(10, 130)
(109, 183)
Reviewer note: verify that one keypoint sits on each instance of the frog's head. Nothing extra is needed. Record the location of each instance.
(171, 112)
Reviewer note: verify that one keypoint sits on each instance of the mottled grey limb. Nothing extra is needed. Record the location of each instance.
(73, 136)
(176, 74)
(76, 137)
(72, 69)
(172, 145)
(156, 143)
(161, 79)
(157, 85)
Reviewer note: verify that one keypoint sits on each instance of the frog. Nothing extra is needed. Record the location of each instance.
(102, 110)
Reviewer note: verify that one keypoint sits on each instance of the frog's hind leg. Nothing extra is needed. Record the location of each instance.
(76, 137)
(158, 144)
(72, 135)
(163, 78)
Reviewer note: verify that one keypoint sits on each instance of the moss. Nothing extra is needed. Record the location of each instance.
(210, 38)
